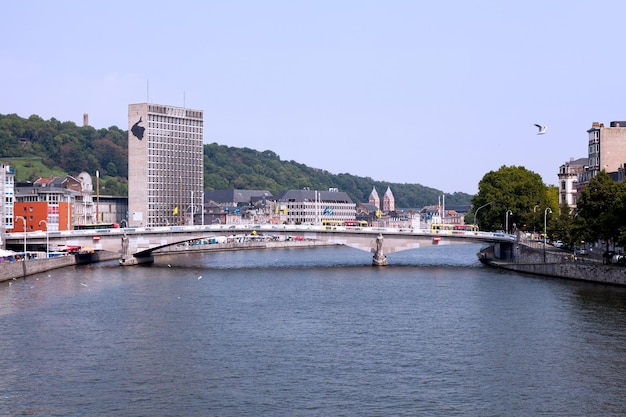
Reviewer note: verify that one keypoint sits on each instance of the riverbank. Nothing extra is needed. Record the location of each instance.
(554, 263)
(24, 268)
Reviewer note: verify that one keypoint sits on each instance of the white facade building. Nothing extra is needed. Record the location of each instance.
(568, 181)
(7, 184)
(312, 207)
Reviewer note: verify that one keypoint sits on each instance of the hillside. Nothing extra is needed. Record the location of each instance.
(36, 147)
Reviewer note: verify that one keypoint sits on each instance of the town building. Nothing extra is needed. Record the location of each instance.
(568, 181)
(313, 207)
(606, 150)
(235, 207)
(47, 204)
(165, 164)
(7, 180)
(112, 209)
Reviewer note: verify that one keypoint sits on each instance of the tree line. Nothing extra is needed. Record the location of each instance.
(65, 147)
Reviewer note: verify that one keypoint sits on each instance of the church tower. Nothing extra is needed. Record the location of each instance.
(374, 199)
(389, 201)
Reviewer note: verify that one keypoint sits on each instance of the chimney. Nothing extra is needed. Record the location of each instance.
(85, 119)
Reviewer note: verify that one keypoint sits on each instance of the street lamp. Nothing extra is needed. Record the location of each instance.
(47, 239)
(24, 221)
(545, 230)
(508, 212)
(97, 197)
(202, 208)
(535, 220)
(192, 219)
(68, 212)
(476, 213)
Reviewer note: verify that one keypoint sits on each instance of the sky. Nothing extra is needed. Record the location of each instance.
(436, 93)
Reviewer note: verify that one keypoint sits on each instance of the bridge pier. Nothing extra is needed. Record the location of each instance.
(129, 260)
(379, 258)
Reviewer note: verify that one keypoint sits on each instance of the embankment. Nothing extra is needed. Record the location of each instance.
(557, 264)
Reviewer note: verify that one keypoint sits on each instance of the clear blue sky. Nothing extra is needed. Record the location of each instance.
(429, 92)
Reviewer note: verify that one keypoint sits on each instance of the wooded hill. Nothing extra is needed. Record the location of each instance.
(37, 148)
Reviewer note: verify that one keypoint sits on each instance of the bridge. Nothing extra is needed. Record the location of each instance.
(136, 245)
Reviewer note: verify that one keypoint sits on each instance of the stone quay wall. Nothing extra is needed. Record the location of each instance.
(557, 264)
(14, 270)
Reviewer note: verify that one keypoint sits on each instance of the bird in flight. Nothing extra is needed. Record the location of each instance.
(542, 129)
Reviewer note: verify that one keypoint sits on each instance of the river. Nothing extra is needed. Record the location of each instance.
(310, 332)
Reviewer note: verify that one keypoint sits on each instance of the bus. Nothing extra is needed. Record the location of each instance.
(441, 228)
(332, 224)
(96, 226)
(355, 223)
(466, 227)
(452, 228)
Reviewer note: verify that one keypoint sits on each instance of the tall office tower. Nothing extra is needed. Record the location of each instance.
(165, 164)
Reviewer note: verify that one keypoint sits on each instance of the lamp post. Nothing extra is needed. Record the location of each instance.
(545, 230)
(47, 239)
(202, 208)
(97, 197)
(193, 222)
(68, 212)
(476, 213)
(535, 219)
(508, 212)
(24, 222)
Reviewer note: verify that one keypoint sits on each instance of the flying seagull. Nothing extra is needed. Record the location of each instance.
(542, 129)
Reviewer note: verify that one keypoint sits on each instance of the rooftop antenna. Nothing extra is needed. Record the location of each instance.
(147, 91)
(183, 99)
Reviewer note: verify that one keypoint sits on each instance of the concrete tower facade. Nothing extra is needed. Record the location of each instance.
(165, 164)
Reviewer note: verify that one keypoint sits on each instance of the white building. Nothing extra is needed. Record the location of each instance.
(312, 206)
(7, 184)
(165, 164)
(568, 180)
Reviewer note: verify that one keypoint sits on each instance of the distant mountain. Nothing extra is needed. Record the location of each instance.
(37, 147)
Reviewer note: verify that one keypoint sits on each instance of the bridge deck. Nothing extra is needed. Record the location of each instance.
(143, 240)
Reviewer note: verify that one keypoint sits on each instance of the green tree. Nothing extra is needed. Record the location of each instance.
(600, 211)
(561, 226)
(514, 189)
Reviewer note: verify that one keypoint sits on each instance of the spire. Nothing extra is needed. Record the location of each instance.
(389, 201)
(374, 198)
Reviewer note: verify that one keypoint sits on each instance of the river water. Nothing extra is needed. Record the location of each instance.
(310, 332)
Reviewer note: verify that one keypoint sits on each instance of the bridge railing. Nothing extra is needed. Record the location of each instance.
(263, 228)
